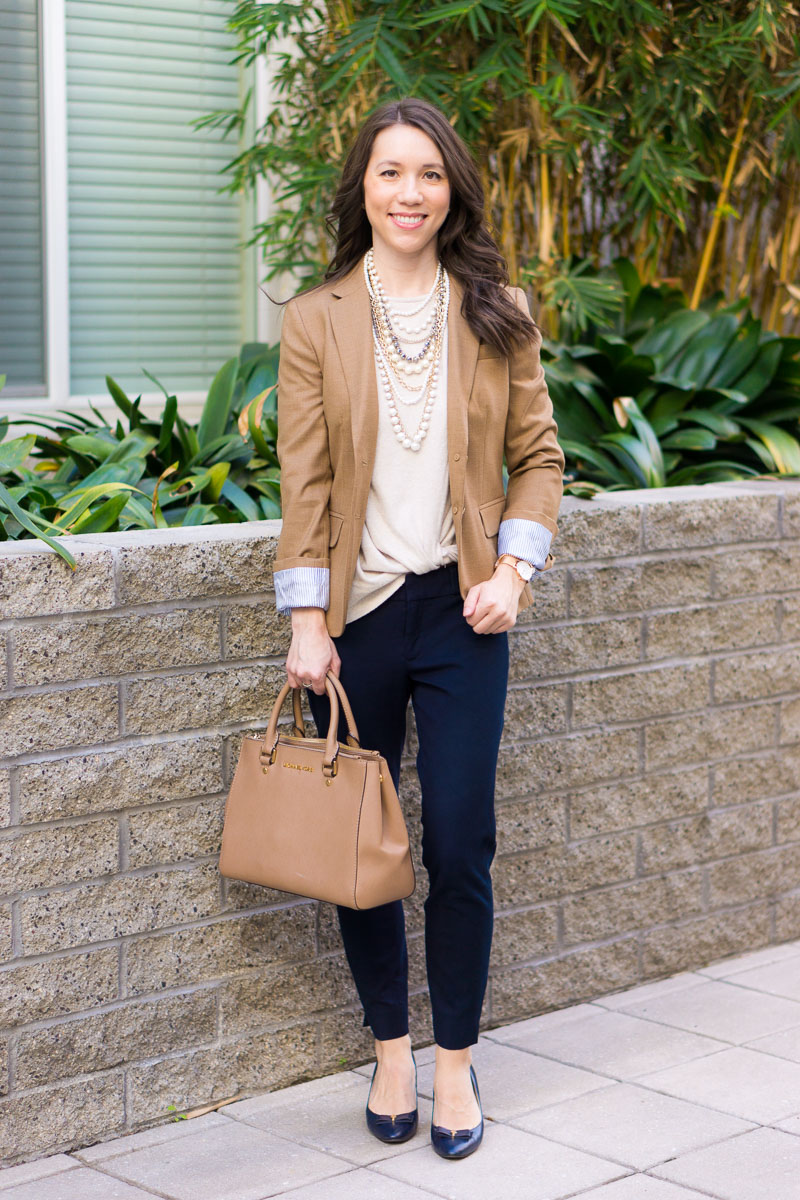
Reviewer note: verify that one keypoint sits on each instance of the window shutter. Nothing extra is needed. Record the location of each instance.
(156, 268)
(21, 275)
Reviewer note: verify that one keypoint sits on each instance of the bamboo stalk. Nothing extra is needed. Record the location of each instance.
(742, 241)
(502, 200)
(708, 249)
(786, 228)
(563, 183)
(546, 223)
(511, 207)
(754, 254)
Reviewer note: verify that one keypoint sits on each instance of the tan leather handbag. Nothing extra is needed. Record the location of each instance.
(316, 816)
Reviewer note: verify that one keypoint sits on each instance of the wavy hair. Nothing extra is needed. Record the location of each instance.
(465, 245)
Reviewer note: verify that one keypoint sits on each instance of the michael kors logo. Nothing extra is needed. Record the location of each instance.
(297, 766)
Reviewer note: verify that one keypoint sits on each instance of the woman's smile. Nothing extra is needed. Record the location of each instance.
(408, 220)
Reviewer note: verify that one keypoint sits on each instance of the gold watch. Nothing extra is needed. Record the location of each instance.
(524, 569)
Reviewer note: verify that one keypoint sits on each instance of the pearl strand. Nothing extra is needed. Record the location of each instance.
(381, 326)
(410, 364)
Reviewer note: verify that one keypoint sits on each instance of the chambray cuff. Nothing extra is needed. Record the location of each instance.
(524, 539)
(302, 587)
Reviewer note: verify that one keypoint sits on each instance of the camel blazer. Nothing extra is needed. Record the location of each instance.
(328, 428)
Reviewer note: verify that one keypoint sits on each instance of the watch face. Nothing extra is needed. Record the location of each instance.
(524, 570)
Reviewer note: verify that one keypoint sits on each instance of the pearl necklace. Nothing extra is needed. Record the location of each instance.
(409, 363)
(414, 311)
(390, 355)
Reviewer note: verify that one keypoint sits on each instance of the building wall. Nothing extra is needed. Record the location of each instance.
(118, 252)
(648, 801)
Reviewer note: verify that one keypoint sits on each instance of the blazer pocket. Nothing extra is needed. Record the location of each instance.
(337, 520)
(492, 515)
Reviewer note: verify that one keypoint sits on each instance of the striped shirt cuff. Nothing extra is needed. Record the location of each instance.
(524, 539)
(302, 587)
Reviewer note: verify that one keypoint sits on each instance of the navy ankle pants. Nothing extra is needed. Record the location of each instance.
(417, 645)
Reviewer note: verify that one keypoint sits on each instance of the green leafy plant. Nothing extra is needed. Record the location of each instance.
(665, 133)
(670, 395)
(83, 475)
(650, 393)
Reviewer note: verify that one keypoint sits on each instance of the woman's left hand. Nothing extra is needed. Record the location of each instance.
(491, 606)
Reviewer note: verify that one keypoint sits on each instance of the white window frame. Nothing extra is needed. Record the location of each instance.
(259, 319)
(53, 108)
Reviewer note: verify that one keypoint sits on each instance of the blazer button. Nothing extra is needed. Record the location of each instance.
(455, 509)
(457, 457)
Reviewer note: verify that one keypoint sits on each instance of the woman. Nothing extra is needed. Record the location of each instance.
(404, 378)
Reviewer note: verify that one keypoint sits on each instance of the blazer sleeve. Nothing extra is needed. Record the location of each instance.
(302, 564)
(534, 458)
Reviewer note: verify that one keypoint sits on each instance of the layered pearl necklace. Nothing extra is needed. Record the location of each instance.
(388, 324)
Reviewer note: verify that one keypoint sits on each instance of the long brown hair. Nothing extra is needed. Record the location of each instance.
(465, 245)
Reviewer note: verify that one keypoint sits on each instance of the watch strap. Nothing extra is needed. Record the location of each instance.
(512, 560)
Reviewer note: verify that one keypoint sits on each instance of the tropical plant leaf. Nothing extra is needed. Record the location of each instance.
(783, 449)
(14, 453)
(34, 525)
(693, 437)
(761, 373)
(80, 499)
(240, 500)
(665, 340)
(102, 518)
(217, 408)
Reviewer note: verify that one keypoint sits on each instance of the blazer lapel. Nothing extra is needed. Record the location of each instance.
(462, 359)
(351, 317)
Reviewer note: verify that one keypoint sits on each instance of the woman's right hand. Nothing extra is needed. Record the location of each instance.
(312, 652)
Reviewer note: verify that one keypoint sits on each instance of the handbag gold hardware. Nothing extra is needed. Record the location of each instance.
(350, 848)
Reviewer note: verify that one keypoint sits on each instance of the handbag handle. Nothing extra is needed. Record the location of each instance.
(352, 729)
(298, 728)
(330, 765)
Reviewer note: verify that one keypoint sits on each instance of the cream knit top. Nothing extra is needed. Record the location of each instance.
(408, 525)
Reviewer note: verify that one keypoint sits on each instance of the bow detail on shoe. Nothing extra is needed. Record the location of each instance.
(458, 1143)
(443, 1131)
(397, 1127)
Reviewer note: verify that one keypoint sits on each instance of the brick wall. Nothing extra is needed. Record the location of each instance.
(648, 800)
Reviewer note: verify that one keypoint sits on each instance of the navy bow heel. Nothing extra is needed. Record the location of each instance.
(398, 1127)
(458, 1143)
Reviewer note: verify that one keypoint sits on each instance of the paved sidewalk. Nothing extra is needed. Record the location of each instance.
(676, 1090)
